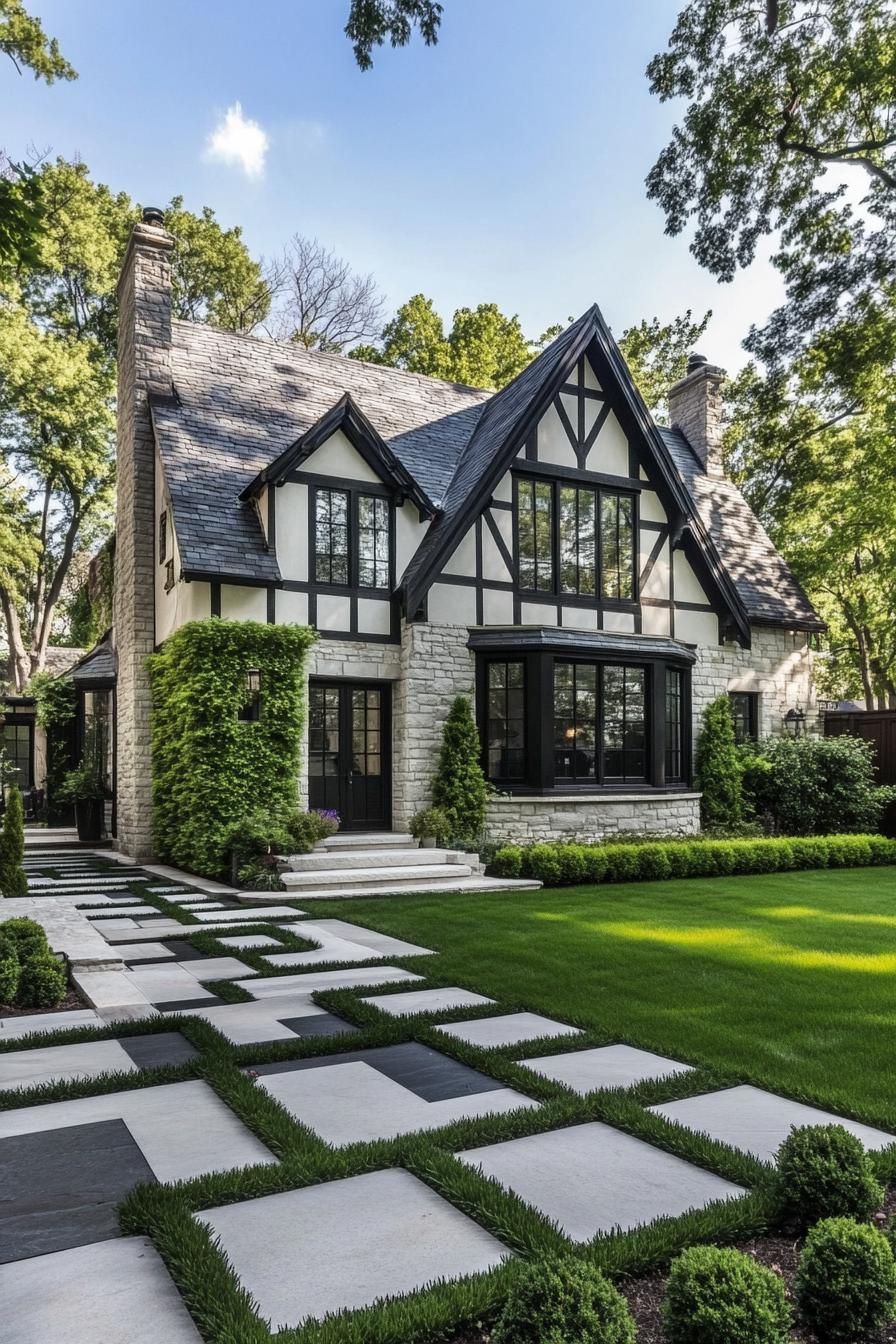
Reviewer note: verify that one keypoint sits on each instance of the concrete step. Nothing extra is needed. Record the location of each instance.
(452, 887)
(384, 857)
(383, 879)
(366, 840)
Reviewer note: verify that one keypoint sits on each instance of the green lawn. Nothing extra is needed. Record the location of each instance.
(788, 980)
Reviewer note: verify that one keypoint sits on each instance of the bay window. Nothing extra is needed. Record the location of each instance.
(562, 712)
(575, 539)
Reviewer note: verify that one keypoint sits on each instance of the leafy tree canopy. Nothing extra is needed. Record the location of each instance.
(24, 41)
(371, 22)
(789, 119)
(57, 352)
(657, 355)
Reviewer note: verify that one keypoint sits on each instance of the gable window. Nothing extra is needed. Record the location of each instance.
(163, 537)
(745, 713)
(575, 539)
(535, 528)
(331, 536)
(506, 723)
(352, 538)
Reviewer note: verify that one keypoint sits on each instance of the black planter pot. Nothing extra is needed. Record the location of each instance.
(89, 818)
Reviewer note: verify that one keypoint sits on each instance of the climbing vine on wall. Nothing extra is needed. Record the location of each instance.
(228, 707)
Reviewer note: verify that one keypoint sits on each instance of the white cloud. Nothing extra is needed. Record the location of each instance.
(239, 142)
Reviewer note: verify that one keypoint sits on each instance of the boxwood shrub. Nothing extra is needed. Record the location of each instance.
(824, 1172)
(564, 1302)
(715, 1294)
(564, 863)
(846, 1281)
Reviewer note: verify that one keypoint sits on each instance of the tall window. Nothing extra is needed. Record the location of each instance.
(373, 541)
(506, 727)
(535, 527)
(575, 721)
(674, 725)
(745, 713)
(352, 538)
(575, 539)
(625, 741)
(17, 742)
(578, 527)
(617, 547)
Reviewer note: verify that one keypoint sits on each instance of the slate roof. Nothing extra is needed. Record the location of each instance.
(239, 403)
(766, 587)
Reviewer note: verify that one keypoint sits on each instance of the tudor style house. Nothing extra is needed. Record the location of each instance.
(592, 579)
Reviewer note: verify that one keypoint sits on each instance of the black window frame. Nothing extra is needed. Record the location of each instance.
(540, 776)
(600, 491)
(749, 701)
(354, 491)
(518, 775)
(163, 536)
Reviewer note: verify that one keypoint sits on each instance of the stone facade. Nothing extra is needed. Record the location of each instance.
(565, 818)
(144, 341)
(696, 408)
(778, 667)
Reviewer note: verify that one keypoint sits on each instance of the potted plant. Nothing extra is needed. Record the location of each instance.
(85, 790)
(431, 827)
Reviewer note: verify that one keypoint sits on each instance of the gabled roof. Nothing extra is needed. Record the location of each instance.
(502, 429)
(767, 588)
(244, 409)
(351, 420)
(242, 401)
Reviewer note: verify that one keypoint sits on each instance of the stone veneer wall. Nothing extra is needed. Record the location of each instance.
(778, 667)
(144, 341)
(558, 818)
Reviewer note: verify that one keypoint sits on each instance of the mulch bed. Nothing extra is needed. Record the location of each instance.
(645, 1296)
(71, 1002)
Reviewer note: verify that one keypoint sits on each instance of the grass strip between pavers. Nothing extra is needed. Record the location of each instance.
(224, 1311)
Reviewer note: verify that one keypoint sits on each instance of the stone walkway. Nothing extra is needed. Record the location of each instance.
(121, 1106)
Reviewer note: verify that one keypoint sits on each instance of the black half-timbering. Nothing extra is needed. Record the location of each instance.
(571, 711)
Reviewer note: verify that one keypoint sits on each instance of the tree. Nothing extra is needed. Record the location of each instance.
(321, 303)
(13, 881)
(789, 105)
(213, 277)
(459, 788)
(370, 22)
(57, 384)
(24, 41)
(657, 355)
(718, 770)
(483, 349)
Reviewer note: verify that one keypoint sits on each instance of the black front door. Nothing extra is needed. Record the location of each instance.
(348, 752)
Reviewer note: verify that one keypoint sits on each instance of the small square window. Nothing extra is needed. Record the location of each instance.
(163, 537)
(169, 575)
(251, 709)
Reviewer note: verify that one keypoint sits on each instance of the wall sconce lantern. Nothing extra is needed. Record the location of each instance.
(794, 721)
(251, 708)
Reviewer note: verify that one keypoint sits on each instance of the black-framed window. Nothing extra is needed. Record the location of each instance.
(535, 530)
(18, 741)
(745, 713)
(506, 720)
(575, 539)
(352, 540)
(331, 536)
(617, 546)
(163, 537)
(600, 722)
(169, 575)
(557, 719)
(674, 688)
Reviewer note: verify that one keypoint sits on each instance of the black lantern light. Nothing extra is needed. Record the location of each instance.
(794, 721)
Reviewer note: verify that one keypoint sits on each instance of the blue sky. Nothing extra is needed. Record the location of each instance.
(505, 164)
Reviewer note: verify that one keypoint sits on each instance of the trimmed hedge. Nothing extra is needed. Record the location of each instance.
(565, 864)
(209, 764)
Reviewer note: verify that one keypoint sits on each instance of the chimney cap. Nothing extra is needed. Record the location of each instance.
(153, 215)
(696, 362)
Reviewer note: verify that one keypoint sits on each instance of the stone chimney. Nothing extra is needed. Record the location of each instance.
(695, 407)
(144, 366)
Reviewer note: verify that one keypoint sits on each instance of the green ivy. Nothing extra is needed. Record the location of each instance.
(209, 767)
